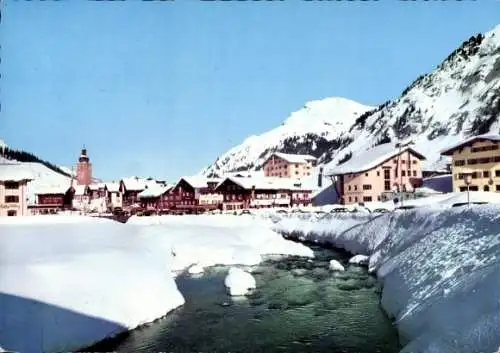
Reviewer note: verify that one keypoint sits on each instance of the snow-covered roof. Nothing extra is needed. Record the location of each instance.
(449, 150)
(371, 158)
(294, 158)
(80, 190)
(96, 186)
(267, 183)
(154, 190)
(52, 189)
(199, 181)
(134, 183)
(427, 191)
(14, 172)
(112, 187)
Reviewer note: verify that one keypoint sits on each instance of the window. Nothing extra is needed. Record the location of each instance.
(486, 188)
(349, 187)
(11, 185)
(378, 198)
(414, 173)
(11, 213)
(366, 174)
(350, 199)
(497, 173)
(355, 199)
(473, 188)
(367, 187)
(387, 185)
(409, 173)
(486, 174)
(459, 163)
(395, 161)
(414, 161)
(367, 198)
(403, 161)
(497, 187)
(11, 199)
(378, 173)
(395, 173)
(387, 174)
(355, 187)
(403, 173)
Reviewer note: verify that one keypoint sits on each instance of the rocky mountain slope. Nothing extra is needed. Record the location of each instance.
(460, 98)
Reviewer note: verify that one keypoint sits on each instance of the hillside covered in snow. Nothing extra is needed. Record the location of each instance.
(318, 127)
(460, 98)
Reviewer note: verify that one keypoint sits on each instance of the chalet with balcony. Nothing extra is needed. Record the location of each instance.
(265, 192)
(130, 189)
(81, 197)
(52, 199)
(380, 173)
(284, 165)
(155, 198)
(14, 179)
(194, 194)
(478, 156)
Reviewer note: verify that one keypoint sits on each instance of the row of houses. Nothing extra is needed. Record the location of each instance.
(189, 195)
(373, 175)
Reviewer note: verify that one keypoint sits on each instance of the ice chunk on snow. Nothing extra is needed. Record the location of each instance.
(239, 282)
(359, 260)
(336, 266)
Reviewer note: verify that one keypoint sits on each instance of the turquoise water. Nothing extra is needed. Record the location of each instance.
(298, 306)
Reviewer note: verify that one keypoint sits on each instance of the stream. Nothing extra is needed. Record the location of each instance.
(299, 306)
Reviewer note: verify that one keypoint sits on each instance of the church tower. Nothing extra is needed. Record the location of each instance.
(84, 169)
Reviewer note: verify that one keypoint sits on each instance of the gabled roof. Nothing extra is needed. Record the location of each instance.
(198, 181)
(266, 183)
(52, 190)
(134, 183)
(371, 158)
(294, 158)
(112, 187)
(154, 190)
(14, 172)
(96, 186)
(489, 137)
(81, 190)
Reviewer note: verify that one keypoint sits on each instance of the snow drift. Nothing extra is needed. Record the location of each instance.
(439, 267)
(70, 281)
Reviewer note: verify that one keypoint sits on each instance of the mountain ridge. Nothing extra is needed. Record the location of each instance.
(459, 98)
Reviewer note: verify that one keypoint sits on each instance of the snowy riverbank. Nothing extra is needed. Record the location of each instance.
(70, 281)
(439, 267)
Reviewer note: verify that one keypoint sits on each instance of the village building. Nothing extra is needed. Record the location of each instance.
(383, 172)
(81, 196)
(130, 189)
(52, 199)
(13, 189)
(155, 198)
(84, 169)
(479, 158)
(243, 193)
(113, 195)
(285, 165)
(194, 194)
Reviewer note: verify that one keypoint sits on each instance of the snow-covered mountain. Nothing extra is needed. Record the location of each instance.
(314, 129)
(461, 97)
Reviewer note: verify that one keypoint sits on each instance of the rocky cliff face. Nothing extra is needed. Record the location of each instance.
(460, 98)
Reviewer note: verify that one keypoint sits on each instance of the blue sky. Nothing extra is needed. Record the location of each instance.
(162, 88)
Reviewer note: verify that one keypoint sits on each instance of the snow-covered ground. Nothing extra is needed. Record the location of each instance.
(439, 266)
(69, 281)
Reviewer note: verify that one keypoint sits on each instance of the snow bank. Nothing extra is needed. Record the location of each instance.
(70, 281)
(214, 240)
(439, 267)
(67, 282)
(336, 266)
(239, 282)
